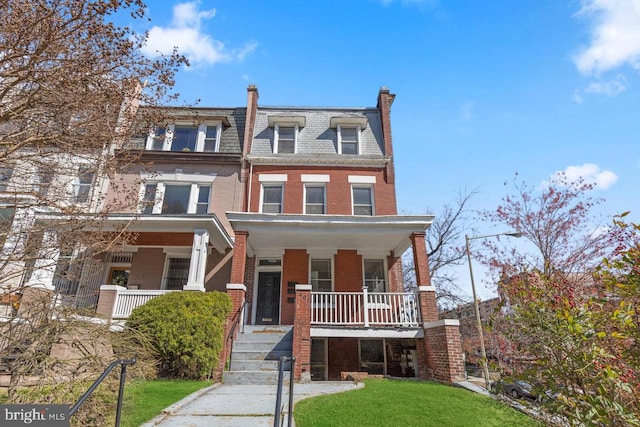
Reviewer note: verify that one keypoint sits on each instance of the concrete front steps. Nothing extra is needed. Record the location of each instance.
(255, 355)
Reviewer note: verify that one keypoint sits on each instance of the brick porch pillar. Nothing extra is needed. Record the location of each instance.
(302, 333)
(107, 300)
(239, 257)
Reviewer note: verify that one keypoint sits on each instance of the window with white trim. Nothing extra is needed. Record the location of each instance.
(175, 198)
(374, 275)
(285, 138)
(321, 278)
(177, 272)
(271, 198)
(156, 138)
(314, 199)
(349, 139)
(362, 200)
(185, 137)
(82, 184)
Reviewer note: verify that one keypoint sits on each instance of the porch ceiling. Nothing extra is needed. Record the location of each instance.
(326, 332)
(218, 236)
(277, 232)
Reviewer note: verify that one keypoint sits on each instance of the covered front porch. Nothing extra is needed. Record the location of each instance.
(166, 254)
(335, 277)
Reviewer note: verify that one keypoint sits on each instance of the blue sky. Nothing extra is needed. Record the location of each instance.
(484, 89)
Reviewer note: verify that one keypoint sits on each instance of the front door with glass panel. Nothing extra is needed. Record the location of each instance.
(268, 304)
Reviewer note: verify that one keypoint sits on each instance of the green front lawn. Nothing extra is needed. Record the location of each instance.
(407, 403)
(143, 400)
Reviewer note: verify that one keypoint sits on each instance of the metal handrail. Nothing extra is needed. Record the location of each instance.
(96, 383)
(277, 415)
(240, 315)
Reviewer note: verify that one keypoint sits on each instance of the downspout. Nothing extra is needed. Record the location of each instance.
(249, 191)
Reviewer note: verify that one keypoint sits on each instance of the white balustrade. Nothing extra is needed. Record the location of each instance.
(128, 299)
(365, 309)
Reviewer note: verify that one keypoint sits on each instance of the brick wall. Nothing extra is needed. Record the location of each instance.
(343, 357)
(442, 354)
(302, 331)
(348, 271)
(295, 268)
(394, 264)
(338, 189)
(239, 257)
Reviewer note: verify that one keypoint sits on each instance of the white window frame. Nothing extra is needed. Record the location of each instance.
(184, 253)
(200, 141)
(271, 184)
(384, 271)
(76, 184)
(358, 137)
(324, 198)
(331, 268)
(373, 200)
(161, 180)
(276, 137)
(272, 180)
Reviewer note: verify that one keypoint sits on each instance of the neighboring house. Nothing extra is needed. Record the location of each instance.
(291, 210)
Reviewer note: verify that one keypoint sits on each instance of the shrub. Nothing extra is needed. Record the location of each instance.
(187, 329)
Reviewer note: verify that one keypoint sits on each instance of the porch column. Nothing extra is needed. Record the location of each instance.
(302, 333)
(428, 305)
(107, 300)
(198, 263)
(45, 266)
(239, 257)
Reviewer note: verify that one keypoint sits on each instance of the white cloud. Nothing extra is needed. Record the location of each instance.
(615, 36)
(610, 88)
(185, 32)
(589, 173)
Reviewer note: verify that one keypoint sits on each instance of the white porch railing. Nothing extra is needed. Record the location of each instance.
(365, 309)
(128, 299)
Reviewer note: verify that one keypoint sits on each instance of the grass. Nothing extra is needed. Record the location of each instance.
(143, 400)
(407, 403)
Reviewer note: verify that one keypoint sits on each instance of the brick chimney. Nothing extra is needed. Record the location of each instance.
(385, 100)
(249, 127)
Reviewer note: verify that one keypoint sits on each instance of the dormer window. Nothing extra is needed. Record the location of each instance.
(285, 139)
(349, 139)
(185, 137)
(349, 130)
(286, 129)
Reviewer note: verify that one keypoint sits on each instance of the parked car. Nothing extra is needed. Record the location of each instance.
(514, 387)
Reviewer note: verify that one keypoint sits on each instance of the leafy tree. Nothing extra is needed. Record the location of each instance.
(557, 223)
(187, 329)
(445, 249)
(70, 84)
(584, 345)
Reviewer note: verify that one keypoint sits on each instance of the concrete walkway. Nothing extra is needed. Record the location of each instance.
(231, 405)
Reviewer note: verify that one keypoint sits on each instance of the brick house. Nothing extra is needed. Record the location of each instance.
(318, 246)
(290, 210)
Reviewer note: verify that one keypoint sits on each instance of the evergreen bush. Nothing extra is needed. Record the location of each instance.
(187, 329)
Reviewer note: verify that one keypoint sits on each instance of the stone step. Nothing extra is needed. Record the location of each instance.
(266, 329)
(259, 355)
(264, 336)
(262, 346)
(257, 365)
(253, 377)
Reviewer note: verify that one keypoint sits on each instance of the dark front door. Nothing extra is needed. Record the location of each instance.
(268, 306)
